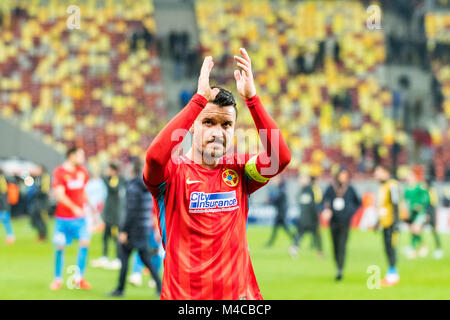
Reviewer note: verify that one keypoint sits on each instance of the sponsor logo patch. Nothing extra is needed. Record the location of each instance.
(212, 202)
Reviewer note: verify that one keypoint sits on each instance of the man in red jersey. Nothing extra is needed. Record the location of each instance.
(69, 181)
(202, 197)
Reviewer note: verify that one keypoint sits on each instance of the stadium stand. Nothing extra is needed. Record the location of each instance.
(102, 91)
(332, 109)
(437, 26)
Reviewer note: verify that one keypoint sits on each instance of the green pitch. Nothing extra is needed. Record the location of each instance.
(26, 269)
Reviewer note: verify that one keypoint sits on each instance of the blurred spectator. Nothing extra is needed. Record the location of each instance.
(141, 33)
(340, 202)
(40, 203)
(309, 216)
(111, 216)
(278, 198)
(135, 229)
(5, 209)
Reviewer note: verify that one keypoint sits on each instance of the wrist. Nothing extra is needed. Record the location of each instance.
(200, 99)
(250, 101)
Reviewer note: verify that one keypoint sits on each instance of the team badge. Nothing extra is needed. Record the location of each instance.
(230, 177)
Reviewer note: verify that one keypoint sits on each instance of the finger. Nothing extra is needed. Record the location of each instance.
(237, 75)
(245, 54)
(206, 65)
(244, 67)
(210, 66)
(242, 60)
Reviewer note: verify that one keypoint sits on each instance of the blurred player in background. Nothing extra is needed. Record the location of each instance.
(154, 243)
(418, 200)
(135, 229)
(40, 203)
(388, 215)
(202, 197)
(111, 216)
(5, 209)
(96, 192)
(309, 215)
(69, 181)
(431, 218)
(340, 204)
(278, 198)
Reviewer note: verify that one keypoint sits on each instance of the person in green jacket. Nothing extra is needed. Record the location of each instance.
(418, 200)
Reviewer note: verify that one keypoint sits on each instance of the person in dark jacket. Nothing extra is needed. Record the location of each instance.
(278, 198)
(40, 203)
(112, 212)
(340, 204)
(309, 215)
(135, 229)
(111, 215)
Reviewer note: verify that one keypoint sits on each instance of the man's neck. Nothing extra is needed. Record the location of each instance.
(69, 166)
(198, 159)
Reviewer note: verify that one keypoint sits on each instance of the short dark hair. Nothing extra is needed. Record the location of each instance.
(71, 151)
(224, 99)
(114, 166)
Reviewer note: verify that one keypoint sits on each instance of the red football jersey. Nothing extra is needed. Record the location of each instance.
(74, 183)
(202, 216)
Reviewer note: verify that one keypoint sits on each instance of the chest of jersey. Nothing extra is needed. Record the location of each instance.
(211, 191)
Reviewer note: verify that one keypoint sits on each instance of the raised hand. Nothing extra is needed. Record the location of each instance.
(244, 79)
(203, 80)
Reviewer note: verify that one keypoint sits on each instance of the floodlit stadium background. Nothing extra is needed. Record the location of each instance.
(347, 88)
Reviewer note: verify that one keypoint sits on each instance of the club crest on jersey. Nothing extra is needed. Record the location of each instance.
(230, 177)
(212, 202)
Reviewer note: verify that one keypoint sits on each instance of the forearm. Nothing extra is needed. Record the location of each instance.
(277, 155)
(160, 150)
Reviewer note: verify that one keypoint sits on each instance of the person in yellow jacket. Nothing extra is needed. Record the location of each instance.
(388, 215)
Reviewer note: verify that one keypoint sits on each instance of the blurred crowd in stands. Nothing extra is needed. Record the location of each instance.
(315, 65)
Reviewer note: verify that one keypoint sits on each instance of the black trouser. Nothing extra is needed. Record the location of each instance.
(339, 234)
(390, 243)
(145, 256)
(111, 231)
(37, 221)
(432, 222)
(314, 230)
(279, 223)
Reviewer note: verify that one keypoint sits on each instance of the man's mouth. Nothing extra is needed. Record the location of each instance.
(217, 142)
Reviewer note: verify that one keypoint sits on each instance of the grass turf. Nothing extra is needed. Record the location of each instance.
(26, 269)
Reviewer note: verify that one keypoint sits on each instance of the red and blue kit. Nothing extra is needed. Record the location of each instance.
(202, 213)
(74, 183)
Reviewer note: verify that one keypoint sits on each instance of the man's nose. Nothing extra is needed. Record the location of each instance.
(217, 134)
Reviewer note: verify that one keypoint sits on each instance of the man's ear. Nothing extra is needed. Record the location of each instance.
(191, 129)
